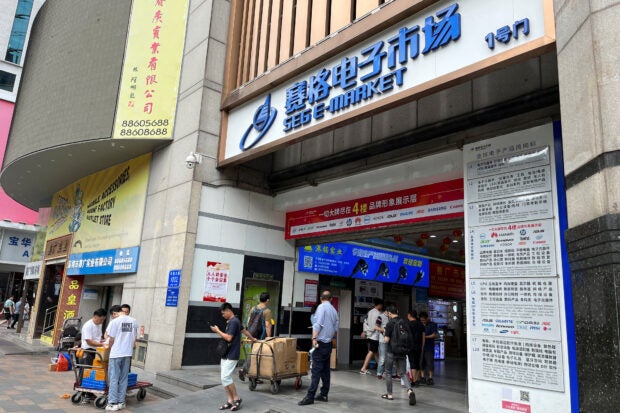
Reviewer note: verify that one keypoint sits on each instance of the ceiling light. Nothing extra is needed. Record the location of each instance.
(433, 236)
(455, 240)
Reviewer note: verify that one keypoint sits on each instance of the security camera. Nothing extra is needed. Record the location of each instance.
(191, 161)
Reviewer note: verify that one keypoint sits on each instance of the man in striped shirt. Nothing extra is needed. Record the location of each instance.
(324, 330)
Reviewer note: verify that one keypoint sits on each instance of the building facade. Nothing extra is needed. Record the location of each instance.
(452, 157)
(19, 226)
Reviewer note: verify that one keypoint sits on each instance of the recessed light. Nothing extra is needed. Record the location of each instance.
(433, 236)
(455, 240)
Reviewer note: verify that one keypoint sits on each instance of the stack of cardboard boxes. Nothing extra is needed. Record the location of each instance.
(277, 357)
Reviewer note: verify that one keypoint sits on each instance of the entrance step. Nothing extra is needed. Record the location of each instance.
(189, 379)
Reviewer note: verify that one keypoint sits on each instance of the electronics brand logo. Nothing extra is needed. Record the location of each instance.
(263, 119)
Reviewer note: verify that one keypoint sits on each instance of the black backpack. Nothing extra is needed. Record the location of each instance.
(256, 323)
(400, 339)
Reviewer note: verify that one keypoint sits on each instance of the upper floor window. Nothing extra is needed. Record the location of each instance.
(19, 31)
(7, 81)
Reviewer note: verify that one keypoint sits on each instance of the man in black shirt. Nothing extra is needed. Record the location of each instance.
(415, 355)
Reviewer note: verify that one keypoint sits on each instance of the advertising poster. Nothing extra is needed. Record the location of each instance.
(311, 292)
(147, 98)
(366, 263)
(103, 210)
(524, 249)
(366, 292)
(104, 213)
(441, 200)
(216, 281)
(447, 280)
(515, 307)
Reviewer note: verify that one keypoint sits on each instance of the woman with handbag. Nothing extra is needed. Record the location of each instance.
(229, 349)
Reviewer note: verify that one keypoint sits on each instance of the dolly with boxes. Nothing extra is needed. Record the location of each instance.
(276, 359)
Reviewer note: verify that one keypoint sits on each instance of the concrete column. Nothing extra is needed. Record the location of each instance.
(589, 78)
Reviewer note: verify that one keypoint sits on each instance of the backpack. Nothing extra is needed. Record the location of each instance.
(400, 339)
(256, 323)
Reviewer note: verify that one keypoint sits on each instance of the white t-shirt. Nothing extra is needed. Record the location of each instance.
(124, 330)
(90, 331)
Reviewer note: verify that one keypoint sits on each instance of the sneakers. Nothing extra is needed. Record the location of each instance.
(306, 401)
(242, 374)
(321, 398)
(115, 407)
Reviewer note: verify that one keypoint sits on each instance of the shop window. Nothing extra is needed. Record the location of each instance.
(19, 31)
(7, 81)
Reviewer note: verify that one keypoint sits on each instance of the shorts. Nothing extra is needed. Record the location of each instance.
(415, 356)
(7, 316)
(227, 368)
(428, 360)
(373, 345)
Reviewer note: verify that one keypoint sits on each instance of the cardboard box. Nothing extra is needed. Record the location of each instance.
(332, 360)
(302, 362)
(104, 353)
(52, 367)
(275, 356)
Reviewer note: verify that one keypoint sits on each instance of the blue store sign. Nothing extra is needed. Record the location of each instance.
(114, 261)
(356, 261)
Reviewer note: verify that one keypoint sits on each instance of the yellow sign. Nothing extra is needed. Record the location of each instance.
(147, 98)
(103, 210)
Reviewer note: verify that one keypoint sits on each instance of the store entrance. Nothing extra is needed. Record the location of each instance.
(48, 300)
(418, 267)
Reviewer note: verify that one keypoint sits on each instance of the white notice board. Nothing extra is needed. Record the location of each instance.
(517, 344)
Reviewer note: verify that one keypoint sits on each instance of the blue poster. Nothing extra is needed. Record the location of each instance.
(172, 297)
(356, 261)
(174, 278)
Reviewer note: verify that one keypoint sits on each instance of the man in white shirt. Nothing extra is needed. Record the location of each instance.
(91, 335)
(122, 332)
(371, 334)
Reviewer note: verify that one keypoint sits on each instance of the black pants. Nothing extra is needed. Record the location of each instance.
(15, 318)
(320, 369)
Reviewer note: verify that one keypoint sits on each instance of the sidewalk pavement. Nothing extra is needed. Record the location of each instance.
(29, 387)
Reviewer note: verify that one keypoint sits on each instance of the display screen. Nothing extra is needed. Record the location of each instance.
(352, 260)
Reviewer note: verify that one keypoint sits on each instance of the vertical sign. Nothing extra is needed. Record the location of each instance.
(68, 302)
(147, 98)
(172, 293)
(216, 281)
(516, 319)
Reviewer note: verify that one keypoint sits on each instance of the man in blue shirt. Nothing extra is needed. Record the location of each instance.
(428, 356)
(324, 329)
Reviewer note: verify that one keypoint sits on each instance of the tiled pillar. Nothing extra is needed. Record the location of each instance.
(589, 78)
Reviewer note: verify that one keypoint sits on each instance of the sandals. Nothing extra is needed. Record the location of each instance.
(234, 406)
(387, 396)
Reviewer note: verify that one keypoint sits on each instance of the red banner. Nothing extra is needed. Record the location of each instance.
(442, 200)
(447, 281)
